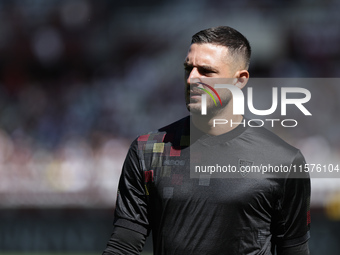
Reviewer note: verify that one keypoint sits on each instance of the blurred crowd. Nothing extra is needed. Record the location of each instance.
(80, 79)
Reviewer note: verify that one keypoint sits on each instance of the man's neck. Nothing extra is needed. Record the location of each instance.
(217, 124)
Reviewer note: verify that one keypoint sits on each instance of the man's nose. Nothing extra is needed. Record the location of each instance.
(193, 76)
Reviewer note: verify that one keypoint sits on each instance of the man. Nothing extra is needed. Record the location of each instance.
(211, 215)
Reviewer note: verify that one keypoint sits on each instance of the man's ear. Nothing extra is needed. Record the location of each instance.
(241, 78)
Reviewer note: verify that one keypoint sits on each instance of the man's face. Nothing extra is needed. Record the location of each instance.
(206, 61)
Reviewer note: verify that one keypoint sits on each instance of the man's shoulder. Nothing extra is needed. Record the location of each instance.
(181, 124)
(167, 133)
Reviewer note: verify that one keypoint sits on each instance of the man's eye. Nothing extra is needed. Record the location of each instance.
(205, 71)
(188, 69)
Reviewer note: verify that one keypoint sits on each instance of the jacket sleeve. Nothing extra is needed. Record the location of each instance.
(131, 224)
(124, 241)
(292, 224)
(132, 205)
(301, 249)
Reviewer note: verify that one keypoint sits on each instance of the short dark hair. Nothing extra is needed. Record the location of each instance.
(228, 37)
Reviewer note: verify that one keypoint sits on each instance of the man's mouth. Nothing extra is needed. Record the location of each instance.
(195, 92)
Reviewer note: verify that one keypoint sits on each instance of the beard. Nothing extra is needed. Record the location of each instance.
(194, 105)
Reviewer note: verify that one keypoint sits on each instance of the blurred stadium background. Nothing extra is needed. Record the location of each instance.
(80, 79)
